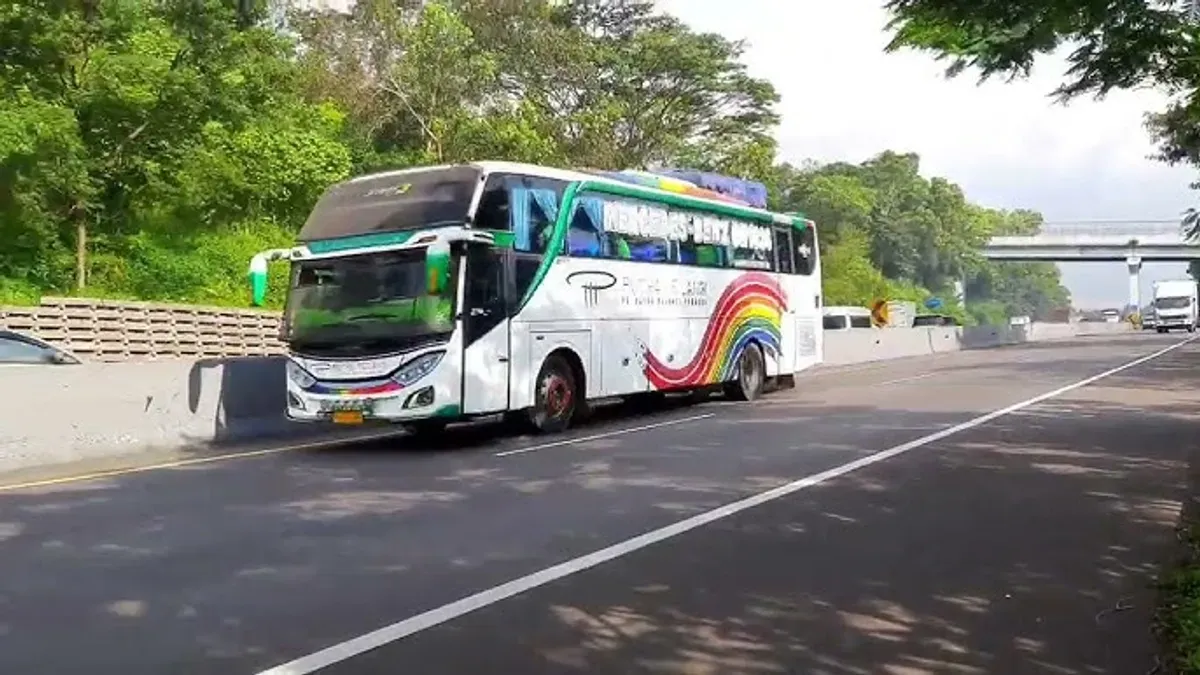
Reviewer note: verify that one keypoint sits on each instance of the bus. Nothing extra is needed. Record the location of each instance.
(439, 294)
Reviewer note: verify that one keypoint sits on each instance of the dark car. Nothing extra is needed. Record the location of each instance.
(925, 320)
(17, 349)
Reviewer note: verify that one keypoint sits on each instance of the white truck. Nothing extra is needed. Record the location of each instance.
(1175, 305)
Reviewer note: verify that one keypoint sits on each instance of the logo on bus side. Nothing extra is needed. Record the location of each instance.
(592, 282)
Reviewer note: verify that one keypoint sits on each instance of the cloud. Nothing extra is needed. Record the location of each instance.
(1008, 144)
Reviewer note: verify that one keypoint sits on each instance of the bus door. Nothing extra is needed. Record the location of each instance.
(486, 330)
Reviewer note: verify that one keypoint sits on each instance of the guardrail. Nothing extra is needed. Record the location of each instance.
(861, 345)
(1133, 230)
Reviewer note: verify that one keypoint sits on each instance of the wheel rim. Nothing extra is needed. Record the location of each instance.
(751, 377)
(557, 397)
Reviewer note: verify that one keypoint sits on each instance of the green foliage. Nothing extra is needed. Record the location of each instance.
(1177, 617)
(1118, 44)
(148, 148)
(887, 232)
(849, 276)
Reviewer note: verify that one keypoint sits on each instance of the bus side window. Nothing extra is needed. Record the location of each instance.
(617, 247)
(804, 243)
(584, 236)
(709, 255)
(783, 249)
(485, 278)
(538, 221)
(492, 213)
(525, 269)
(533, 205)
(647, 249)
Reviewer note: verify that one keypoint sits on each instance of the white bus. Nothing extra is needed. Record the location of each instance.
(437, 294)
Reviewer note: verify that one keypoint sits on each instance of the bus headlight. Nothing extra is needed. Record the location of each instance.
(417, 368)
(299, 375)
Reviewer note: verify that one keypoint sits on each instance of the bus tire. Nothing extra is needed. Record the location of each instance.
(556, 397)
(751, 375)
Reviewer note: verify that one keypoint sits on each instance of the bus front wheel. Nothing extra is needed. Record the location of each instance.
(556, 399)
(751, 375)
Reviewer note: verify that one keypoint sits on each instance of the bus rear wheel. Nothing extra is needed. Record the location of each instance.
(751, 376)
(556, 399)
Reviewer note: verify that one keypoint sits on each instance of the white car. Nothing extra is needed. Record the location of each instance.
(25, 350)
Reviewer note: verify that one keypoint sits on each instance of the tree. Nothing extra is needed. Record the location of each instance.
(141, 81)
(887, 231)
(1119, 44)
(149, 147)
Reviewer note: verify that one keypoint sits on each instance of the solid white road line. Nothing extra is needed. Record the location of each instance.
(607, 434)
(415, 624)
(910, 378)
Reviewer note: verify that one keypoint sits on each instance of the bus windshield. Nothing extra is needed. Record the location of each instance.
(387, 202)
(365, 303)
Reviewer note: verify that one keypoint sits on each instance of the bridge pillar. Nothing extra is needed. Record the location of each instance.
(1134, 263)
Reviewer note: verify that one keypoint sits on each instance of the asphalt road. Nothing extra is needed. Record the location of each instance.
(1017, 543)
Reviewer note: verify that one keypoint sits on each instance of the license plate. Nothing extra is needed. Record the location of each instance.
(347, 417)
(348, 405)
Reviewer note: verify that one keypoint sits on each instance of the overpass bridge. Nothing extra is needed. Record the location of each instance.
(1131, 241)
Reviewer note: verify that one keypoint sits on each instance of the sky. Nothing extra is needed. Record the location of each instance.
(1007, 144)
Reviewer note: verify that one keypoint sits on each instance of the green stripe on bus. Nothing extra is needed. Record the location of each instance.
(358, 241)
(571, 194)
(555, 245)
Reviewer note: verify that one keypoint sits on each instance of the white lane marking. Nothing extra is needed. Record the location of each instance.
(910, 378)
(448, 612)
(607, 434)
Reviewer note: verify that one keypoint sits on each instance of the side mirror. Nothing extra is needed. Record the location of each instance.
(258, 273)
(258, 280)
(437, 267)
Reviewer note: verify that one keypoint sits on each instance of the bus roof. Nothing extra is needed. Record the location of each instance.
(584, 175)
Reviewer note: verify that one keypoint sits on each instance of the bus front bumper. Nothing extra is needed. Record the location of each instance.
(382, 401)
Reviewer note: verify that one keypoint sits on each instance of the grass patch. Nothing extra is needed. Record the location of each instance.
(1177, 619)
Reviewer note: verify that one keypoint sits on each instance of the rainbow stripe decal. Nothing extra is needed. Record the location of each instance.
(363, 389)
(749, 310)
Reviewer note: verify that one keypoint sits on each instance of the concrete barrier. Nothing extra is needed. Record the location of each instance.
(860, 345)
(67, 413)
(62, 414)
